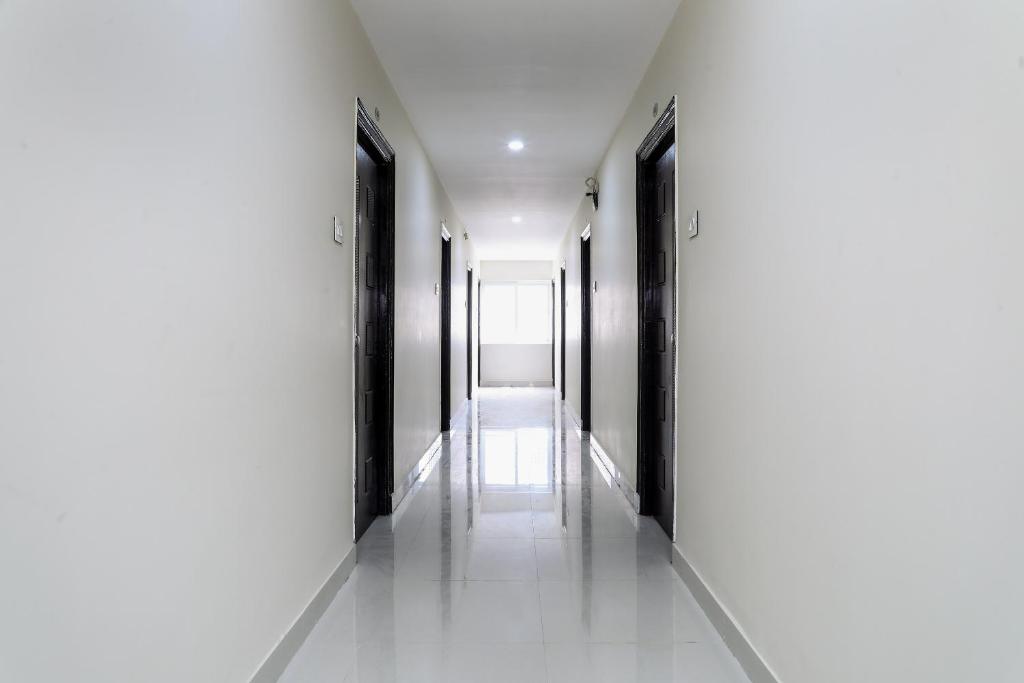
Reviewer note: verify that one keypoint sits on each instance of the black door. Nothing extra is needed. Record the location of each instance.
(585, 300)
(479, 335)
(469, 334)
(657, 290)
(563, 333)
(446, 335)
(370, 391)
(553, 379)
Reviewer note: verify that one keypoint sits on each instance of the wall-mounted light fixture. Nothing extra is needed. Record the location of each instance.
(594, 188)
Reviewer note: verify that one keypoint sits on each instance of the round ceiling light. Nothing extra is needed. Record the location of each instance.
(516, 145)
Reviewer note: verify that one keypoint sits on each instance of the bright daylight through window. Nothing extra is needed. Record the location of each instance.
(515, 313)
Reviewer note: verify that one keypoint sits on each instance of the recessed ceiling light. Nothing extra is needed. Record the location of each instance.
(516, 145)
(517, 219)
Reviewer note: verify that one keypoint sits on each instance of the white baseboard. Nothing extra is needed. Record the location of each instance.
(459, 414)
(632, 497)
(403, 487)
(735, 639)
(574, 416)
(276, 662)
(603, 459)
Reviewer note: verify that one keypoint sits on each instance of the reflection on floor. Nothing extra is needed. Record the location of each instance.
(515, 559)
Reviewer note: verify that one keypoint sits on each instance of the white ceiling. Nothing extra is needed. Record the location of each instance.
(474, 74)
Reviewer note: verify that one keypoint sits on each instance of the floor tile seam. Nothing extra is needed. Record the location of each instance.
(518, 580)
(583, 582)
(540, 605)
(630, 641)
(476, 536)
(403, 581)
(665, 583)
(536, 568)
(647, 581)
(400, 641)
(580, 538)
(446, 641)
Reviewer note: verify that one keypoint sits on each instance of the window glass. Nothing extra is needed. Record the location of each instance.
(515, 313)
(533, 313)
(497, 314)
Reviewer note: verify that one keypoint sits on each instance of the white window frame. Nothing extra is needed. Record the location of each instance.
(516, 284)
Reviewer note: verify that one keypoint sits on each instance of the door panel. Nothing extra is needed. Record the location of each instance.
(368, 438)
(585, 303)
(479, 335)
(469, 334)
(446, 335)
(658, 245)
(562, 363)
(553, 342)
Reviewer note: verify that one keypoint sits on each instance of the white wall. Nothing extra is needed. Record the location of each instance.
(512, 271)
(175, 370)
(569, 251)
(851, 322)
(418, 309)
(515, 364)
(613, 322)
(462, 257)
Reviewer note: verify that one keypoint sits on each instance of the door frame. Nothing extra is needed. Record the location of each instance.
(445, 327)
(479, 334)
(469, 331)
(664, 130)
(562, 335)
(586, 319)
(371, 138)
(554, 377)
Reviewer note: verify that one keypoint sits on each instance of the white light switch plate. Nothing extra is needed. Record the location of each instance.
(339, 231)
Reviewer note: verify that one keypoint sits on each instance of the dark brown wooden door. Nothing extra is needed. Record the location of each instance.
(469, 334)
(562, 362)
(479, 334)
(446, 335)
(554, 378)
(369, 378)
(657, 420)
(585, 299)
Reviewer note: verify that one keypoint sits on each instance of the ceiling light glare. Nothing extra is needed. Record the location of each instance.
(516, 145)
(517, 219)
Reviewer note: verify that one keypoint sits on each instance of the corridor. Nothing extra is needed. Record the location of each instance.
(511, 340)
(515, 559)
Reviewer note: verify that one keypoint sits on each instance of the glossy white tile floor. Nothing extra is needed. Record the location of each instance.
(515, 559)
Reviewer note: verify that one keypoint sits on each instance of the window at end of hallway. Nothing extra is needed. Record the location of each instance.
(515, 313)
